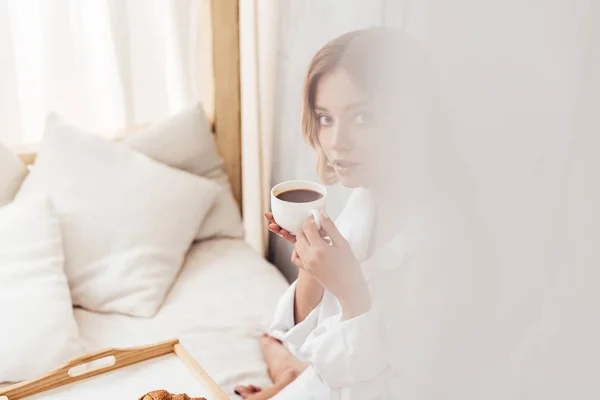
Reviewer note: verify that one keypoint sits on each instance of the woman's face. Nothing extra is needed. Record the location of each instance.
(346, 128)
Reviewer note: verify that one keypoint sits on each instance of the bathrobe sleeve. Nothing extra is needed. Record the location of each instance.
(284, 326)
(350, 356)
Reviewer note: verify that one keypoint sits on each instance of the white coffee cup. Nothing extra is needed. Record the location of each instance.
(292, 215)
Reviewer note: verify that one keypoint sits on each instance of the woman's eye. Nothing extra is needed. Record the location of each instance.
(363, 118)
(325, 120)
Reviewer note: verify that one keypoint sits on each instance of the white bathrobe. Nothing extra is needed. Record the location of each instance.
(428, 333)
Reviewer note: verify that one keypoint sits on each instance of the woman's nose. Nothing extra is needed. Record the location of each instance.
(342, 138)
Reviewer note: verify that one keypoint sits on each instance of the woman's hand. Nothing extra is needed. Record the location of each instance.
(282, 233)
(308, 291)
(333, 266)
(273, 227)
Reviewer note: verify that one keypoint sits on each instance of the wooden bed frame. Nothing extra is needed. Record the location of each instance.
(220, 58)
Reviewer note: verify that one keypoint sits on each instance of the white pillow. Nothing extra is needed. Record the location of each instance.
(37, 329)
(127, 220)
(12, 173)
(185, 141)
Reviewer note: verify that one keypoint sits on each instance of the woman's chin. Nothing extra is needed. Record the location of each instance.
(350, 181)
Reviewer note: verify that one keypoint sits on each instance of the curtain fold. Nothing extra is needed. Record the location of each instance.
(258, 46)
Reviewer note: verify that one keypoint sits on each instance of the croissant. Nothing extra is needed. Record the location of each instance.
(164, 395)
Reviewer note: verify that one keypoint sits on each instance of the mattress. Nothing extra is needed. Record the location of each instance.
(223, 299)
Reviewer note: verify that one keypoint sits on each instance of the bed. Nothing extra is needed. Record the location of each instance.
(225, 294)
(222, 301)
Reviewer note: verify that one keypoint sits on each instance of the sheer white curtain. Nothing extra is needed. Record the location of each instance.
(103, 64)
(521, 82)
(259, 26)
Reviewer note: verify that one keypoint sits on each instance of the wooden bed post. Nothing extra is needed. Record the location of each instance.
(227, 107)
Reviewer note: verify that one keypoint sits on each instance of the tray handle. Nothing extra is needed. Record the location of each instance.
(60, 376)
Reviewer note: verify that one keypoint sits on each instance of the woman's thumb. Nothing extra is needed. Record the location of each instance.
(329, 227)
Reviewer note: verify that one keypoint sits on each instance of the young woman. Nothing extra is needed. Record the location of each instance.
(361, 319)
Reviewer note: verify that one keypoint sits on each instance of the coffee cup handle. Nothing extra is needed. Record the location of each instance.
(315, 215)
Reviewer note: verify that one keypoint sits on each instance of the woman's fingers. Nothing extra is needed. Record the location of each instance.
(246, 391)
(269, 216)
(283, 233)
(275, 228)
(254, 389)
(312, 233)
(330, 229)
(302, 246)
(296, 260)
(288, 236)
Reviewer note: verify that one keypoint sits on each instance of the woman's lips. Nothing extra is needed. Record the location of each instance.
(345, 166)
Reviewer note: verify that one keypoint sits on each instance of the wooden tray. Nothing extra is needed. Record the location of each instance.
(108, 383)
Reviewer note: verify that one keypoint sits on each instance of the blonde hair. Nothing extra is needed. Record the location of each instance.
(325, 61)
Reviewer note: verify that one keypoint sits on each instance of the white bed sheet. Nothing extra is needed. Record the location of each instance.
(222, 301)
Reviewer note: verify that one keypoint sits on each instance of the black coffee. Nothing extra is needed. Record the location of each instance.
(299, 196)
